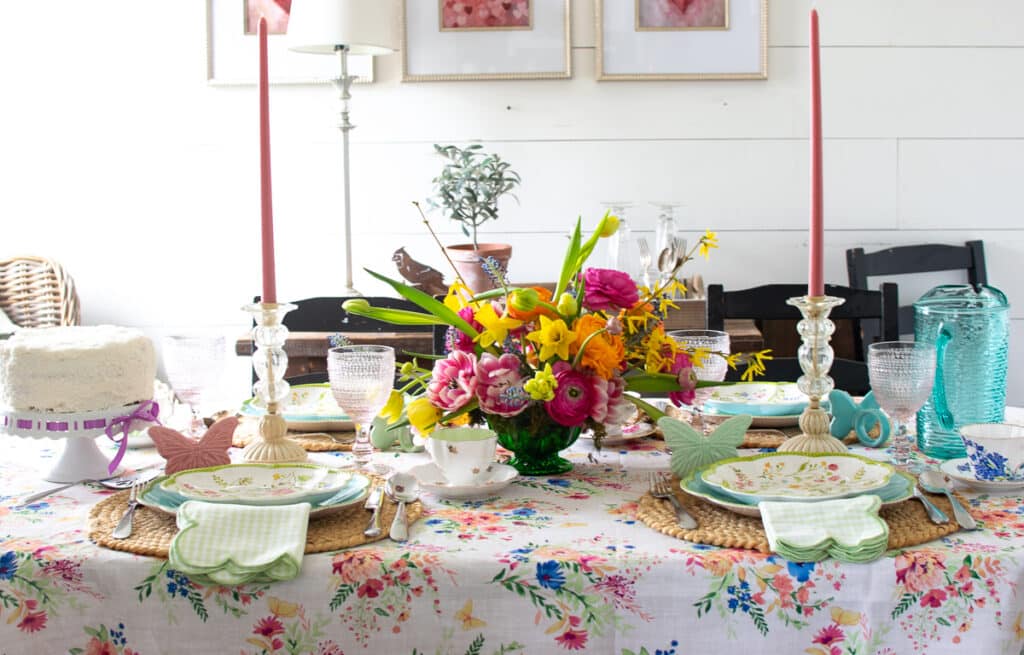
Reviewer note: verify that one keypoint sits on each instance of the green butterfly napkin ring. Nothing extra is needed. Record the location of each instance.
(692, 451)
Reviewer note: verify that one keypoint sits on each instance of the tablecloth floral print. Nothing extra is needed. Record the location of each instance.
(550, 565)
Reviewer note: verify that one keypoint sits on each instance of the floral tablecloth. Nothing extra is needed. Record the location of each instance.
(549, 565)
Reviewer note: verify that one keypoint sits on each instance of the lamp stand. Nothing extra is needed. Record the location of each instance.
(342, 84)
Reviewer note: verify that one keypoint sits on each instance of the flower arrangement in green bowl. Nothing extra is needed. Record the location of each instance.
(540, 366)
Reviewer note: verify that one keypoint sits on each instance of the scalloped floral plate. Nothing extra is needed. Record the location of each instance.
(797, 477)
(310, 408)
(257, 484)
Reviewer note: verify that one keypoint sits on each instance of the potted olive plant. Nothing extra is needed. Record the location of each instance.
(467, 191)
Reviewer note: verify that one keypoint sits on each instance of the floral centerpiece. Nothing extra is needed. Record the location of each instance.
(540, 366)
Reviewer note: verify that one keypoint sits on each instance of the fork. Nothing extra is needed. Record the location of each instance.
(124, 526)
(660, 489)
(645, 261)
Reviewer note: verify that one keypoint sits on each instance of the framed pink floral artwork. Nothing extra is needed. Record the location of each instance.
(486, 14)
(231, 47)
(445, 40)
(682, 39)
(682, 14)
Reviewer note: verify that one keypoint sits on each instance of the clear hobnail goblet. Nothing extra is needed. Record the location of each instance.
(361, 379)
(901, 375)
(713, 367)
(194, 365)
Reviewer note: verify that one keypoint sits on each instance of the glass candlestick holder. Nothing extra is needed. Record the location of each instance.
(269, 361)
(815, 356)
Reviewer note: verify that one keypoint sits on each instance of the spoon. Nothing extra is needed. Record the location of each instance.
(937, 482)
(404, 488)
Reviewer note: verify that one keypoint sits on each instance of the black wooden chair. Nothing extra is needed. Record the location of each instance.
(768, 303)
(925, 258)
(325, 314)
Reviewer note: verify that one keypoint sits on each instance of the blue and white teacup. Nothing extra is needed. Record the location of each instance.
(995, 451)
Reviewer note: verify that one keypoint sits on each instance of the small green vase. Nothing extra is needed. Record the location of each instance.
(535, 440)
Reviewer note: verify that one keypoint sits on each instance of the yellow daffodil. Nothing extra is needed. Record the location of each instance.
(423, 415)
(707, 242)
(393, 409)
(543, 384)
(457, 296)
(495, 327)
(553, 337)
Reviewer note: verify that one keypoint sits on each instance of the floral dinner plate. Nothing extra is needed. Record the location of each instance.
(354, 491)
(628, 433)
(310, 408)
(900, 488)
(793, 476)
(754, 398)
(257, 484)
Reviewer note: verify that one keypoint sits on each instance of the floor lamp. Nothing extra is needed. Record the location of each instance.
(341, 28)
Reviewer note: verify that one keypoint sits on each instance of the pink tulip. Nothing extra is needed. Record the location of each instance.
(453, 382)
(500, 385)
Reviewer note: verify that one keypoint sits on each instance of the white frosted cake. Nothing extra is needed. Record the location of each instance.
(76, 369)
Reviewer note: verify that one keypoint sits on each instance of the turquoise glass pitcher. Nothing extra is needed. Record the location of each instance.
(970, 329)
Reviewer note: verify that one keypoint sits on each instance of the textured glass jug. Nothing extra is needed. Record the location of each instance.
(970, 329)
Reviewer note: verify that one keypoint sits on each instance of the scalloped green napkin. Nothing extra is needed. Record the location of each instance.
(235, 544)
(846, 529)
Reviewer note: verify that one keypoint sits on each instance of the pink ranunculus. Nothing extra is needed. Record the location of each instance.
(457, 339)
(500, 385)
(682, 367)
(608, 289)
(575, 396)
(453, 382)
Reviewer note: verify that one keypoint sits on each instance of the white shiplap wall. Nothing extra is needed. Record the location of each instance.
(119, 160)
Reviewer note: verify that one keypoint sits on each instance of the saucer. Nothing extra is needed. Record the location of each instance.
(496, 478)
(952, 469)
(629, 432)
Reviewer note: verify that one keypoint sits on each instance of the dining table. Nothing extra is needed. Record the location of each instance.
(547, 564)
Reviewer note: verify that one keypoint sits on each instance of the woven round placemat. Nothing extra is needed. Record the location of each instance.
(909, 525)
(316, 442)
(153, 530)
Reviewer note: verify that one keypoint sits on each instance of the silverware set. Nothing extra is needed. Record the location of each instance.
(937, 482)
(142, 474)
(660, 487)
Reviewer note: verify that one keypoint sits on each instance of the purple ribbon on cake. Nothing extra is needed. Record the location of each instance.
(148, 411)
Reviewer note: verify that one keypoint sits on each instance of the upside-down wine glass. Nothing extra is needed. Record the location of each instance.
(194, 364)
(901, 375)
(714, 367)
(361, 380)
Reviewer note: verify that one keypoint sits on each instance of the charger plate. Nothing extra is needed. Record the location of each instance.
(908, 522)
(153, 530)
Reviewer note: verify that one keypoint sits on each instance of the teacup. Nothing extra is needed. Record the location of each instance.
(995, 451)
(462, 454)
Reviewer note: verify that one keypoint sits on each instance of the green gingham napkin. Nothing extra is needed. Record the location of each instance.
(235, 544)
(846, 529)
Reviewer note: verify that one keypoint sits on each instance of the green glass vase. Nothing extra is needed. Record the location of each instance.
(535, 440)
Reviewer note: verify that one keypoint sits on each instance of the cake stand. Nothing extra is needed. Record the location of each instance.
(82, 459)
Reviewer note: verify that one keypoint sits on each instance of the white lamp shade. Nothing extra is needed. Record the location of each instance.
(367, 27)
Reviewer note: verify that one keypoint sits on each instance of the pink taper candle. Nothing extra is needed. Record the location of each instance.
(266, 205)
(816, 284)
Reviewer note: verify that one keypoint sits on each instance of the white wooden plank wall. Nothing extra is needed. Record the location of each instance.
(119, 160)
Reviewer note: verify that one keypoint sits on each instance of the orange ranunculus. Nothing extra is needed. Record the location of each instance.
(604, 353)
(544, 295)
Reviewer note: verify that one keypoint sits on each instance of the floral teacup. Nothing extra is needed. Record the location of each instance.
(462, 454)
(995, 451)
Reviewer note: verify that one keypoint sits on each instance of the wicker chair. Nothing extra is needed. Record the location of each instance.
(37, 292)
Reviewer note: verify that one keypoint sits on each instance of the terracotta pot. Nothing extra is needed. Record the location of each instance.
(467, 261)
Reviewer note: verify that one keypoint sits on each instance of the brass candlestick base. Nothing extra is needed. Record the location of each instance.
(270, 362)
(815, 355)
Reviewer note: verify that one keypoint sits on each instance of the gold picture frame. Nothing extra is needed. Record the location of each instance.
(432, 54)
(737, 53)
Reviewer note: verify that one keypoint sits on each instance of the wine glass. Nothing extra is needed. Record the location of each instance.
(667, 246)
(623, 247)
(194, 364)
(713, 367)
(361, 380)
(901, 375)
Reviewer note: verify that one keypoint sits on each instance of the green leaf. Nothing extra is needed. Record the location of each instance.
(360, 307)
(569, 267)
(429, 303)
